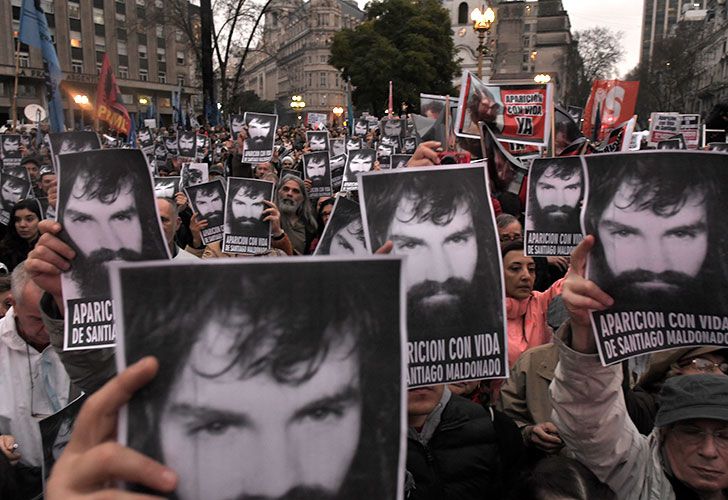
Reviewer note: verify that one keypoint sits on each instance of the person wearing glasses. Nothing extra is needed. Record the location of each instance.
(685, 456)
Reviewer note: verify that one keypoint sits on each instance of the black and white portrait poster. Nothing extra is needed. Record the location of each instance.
(187, 144)
(160, 155)
(553, 206)
(10, 149)
(12, 189)
(166, 187)
(193, 174)
(358, 161)
(237, 123)
(440, 219)
(361, 127)
(336, 166)
(291, 171)
(203, 146)
(316, 167)
(433, 108)
(344, 233)
(384, 155)
(261, 136)
(170, 144)
(661, 241)
(108, 214)
(55, 433)
(208, 201)
(317, 140)
(505, 170)
(721, 147)
(392, 126)
(337, 146)
(72, 142)
(265, 390)
(17, 171)
(395, 142)
(245, 230)
(400, 161)
(409, 145)
(714, 135)
(354, 143)
(146, 140)
(670, 144)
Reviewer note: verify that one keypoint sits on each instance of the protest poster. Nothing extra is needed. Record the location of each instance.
(714, 135)
(354, 143)
(505, 171)
(690, 130)
(166, 187)
(317, 121)
(237, 123)
(146, 141)
(150, 123)
(160, 156)
(619, 138)
(437, 125)
(610, 102)
(336, 166)
(207, 201)
(203, 146)
(261, 130)
(394, 141)
(317, 140)
(10, 152)
(658, 218)
(245, 230)
(71, 142)
(291, 171)
(337, 146)
(108, 214)
(357, 161)
(361, 127)
(517, 112)
(344, 234)
(187, 145)
(317, 169)
(553, 206)
(384, 155)
(409, 145)
(55, 433)
(576, 113)
(455, 310)
(170, 144)
(17, 171)
(672, 143)
(663, 126)
(250, 344)
(192, 174)
(400, 161)
(13, 188)
(721, 147)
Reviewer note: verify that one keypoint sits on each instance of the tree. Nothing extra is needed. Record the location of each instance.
(598, 52)
(406, 41)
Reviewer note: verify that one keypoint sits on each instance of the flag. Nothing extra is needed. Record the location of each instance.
(34, 32)
(132, 133)
(349, 108)
(108, 107)
(390, 106)
(177, 118)
(610, 103)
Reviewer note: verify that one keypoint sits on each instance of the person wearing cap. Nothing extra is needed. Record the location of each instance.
(685, 456)
(216, 172)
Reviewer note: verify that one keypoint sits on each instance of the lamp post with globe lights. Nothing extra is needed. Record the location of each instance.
(483, 19)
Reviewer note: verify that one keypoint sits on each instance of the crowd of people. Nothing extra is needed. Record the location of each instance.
(560, 426)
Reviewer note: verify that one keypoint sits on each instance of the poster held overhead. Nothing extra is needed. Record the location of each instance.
(208, 201)
(316, 166)
(245, 230)
(261, 130)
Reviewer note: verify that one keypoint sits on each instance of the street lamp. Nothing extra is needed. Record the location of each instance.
(542, 78)
(338, 111)
(81, 100)
(482, 19)
(297, 103)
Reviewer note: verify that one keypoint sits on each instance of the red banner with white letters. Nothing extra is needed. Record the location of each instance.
(610, 103)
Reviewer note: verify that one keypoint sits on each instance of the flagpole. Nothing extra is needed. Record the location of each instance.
(15, 86)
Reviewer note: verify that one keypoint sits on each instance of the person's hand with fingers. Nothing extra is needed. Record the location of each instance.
(50, 257)
(181, 200)
(9, 448)
(93, 460)
(581, 295)
(544, 436)
(272, 215)
(308, 184)
(425, 155)
(53, 193)
(385, 249)
(196, 227)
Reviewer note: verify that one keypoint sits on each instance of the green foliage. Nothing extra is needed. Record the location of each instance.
(249, 101)
(406, 41)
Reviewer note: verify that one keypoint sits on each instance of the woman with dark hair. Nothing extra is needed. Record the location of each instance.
(22, 233)
(560, 477)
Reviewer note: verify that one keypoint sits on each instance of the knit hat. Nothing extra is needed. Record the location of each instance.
(687, 397)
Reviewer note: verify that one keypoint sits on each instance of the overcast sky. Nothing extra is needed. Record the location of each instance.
(620, 15)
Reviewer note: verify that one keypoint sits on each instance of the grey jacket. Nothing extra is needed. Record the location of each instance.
(589, 410)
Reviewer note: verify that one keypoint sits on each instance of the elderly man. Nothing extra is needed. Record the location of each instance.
(298, 219)
(686, 456)
(169, 215)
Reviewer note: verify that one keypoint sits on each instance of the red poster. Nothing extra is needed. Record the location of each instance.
(108, 108)
(610, 103)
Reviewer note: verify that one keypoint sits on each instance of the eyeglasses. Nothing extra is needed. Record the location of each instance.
(510, 237)
(705, 365)
(690, 435)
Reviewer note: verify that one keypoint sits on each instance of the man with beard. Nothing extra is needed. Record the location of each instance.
(11, 146)
(440, 222)
(12, 191)
(298, 219)
(659, 237)
(317, 141)
(260, 130)
(186, 145)
(108, 215)
(360, 127)
(316, 168)
(246, 203)
(555, 194)
(392, 127)
(207, 201)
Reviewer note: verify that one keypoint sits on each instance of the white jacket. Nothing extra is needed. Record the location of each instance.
(590, 413)
(19, 364)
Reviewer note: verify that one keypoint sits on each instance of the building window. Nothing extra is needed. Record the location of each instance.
(127, 98)
(159, 30)
(100, 43)
(141, 2)
(74, 24)
(142, 52)
(120, 8)
(124, 60)
(100, 56)
(180, 57)
(181, 80)
(73, 11)
(179, 37)
(98, 16)
(161, 42)
(99, 4)
(141, 12)
(162, 77)
(161, 55)
(123, 72)
(159, 4)
(23, 59)
(100, 30)
(463, 13)
(121, 34)
(76, 66)
(143, 75)
(323, 80)
(120, 19)
(75, 39)
(99, 65)
(121, 48)
(142, 38)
